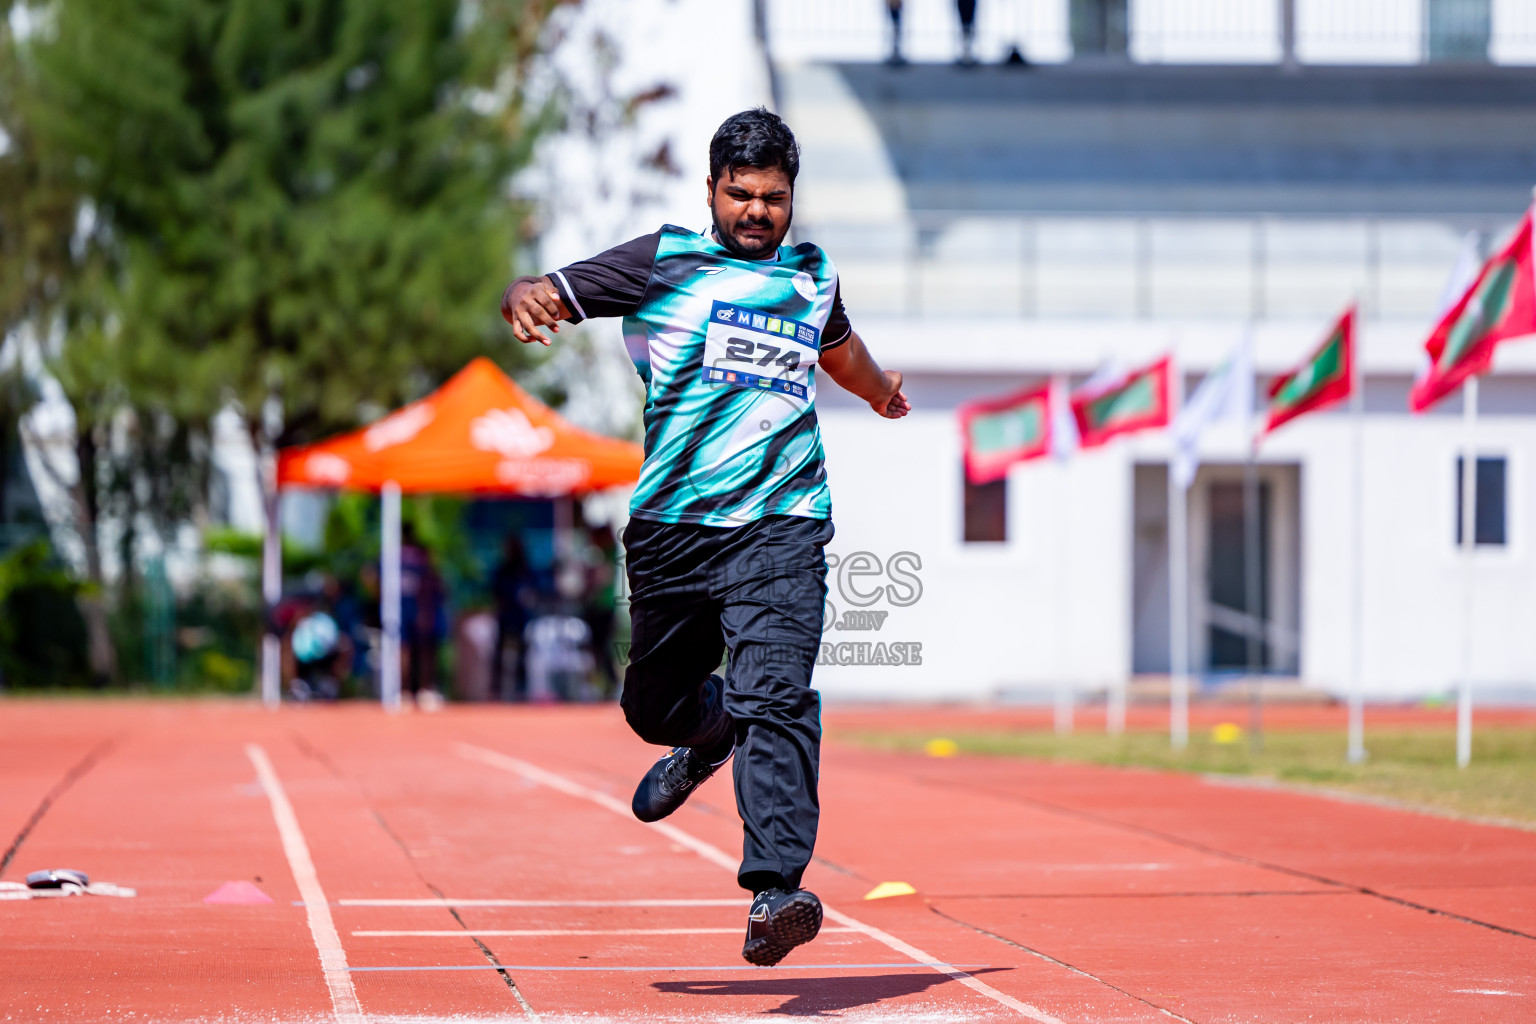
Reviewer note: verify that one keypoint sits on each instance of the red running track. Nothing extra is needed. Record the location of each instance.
(478, 865)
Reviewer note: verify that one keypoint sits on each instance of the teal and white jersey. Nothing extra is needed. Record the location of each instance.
(728, 350)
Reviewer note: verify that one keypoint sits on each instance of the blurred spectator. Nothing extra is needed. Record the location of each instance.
(284, 616)
(369, 631)
(967, 11)
(559, 659)
(515, 591)
(321, 648)
(570, 573)
(601, 601)
(321, 654)
(895, 59)
(474, 638)
(421, 616)
(341, 603)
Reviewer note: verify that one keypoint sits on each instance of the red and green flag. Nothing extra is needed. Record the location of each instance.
(1139, 400)
(1001, 431)
(1325, 377)
(1499, 304)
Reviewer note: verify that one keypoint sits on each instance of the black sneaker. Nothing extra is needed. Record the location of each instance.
(780, 921)
(669, 783)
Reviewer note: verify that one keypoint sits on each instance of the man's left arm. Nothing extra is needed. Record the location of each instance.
(855, 370)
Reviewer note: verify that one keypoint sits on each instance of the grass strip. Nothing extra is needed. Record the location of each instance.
(1413, 766)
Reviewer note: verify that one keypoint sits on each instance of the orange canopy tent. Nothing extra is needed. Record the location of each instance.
(477, 434)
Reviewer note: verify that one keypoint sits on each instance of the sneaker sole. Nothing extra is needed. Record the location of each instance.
(797, 922)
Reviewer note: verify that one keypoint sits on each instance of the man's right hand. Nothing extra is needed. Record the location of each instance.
(530, 303)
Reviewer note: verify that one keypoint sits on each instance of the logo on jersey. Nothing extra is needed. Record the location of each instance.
(745, 348)
(805, 285)
(780, 327)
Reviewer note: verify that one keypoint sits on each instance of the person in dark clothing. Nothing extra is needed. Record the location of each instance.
(601, 600)
(514, 588)
(421, 613)
(967, 11)
(896, 59)
(732, 331)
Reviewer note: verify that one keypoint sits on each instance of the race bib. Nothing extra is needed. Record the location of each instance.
(747, 349)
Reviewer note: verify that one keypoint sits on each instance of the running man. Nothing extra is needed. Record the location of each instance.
(731, 515)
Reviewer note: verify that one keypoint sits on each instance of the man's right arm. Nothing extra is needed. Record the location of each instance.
(612, 283)
(530, 303)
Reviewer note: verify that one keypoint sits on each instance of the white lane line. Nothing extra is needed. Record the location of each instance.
(1096, 867)
(333, 959)
(445, 902)
(717, 856)
(533, 933)
(651, 969)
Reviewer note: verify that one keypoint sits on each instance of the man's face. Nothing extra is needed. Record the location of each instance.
(752, 208)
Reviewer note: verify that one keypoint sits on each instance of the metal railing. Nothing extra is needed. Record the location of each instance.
(1254, 268)
(1165, 31)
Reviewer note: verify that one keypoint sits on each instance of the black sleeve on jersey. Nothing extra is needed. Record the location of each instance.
(838, 329)
(611, 283)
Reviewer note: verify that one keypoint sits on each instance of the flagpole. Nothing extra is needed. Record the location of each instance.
(1252, 597)
(1468, 547)
(1178, 597)
(1356, 753)
(1063, 439)
(1064, 697)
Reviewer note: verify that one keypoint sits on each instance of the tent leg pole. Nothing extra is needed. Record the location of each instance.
(271, 588)
(389, 597)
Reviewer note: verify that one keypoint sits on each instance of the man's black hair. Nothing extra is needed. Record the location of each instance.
(754, 138)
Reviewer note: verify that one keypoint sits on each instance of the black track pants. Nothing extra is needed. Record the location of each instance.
(758, 591)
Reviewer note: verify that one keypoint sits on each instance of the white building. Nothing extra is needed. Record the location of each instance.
(995, 225)
(1000, 224)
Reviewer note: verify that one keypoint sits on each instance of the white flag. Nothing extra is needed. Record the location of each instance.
(1064, 435)
(1063, 423)
(1226, 393)
(1468, 263)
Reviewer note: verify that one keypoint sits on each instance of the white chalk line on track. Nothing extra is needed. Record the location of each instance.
(541, 933)
(333, 958)
(719, 857)
(903, 965)
(445, 902)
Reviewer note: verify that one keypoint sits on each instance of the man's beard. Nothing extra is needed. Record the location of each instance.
(728, 240)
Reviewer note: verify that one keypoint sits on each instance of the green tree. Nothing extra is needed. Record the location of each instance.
(298, 207)
(52, 278)
(311, 196)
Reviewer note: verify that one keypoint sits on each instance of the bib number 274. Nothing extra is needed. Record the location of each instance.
(760, 353)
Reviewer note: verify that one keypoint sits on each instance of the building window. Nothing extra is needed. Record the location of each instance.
(986, 511)
(1457, 31)
(1489, 504)
(1099, 28)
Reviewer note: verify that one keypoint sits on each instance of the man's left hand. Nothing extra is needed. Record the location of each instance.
(893, 405)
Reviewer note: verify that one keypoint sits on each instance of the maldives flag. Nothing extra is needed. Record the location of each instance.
(1001, 431)
(1323, 378)
(1139, 400)
(1500, 304)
